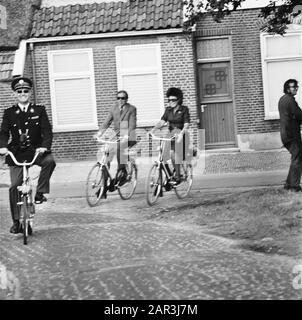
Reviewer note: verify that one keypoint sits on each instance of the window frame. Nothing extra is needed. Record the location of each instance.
(270, 115)
(69, 76)
(142, 71)
(222, 97)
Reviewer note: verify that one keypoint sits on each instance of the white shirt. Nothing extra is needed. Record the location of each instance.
(23, 108)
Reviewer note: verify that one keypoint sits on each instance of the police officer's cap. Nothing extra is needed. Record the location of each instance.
(21, 83)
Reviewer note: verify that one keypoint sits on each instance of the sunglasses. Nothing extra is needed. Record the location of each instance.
(22, 91)
(121, 98)
(172, 100)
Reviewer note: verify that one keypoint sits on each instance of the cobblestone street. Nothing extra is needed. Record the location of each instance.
(115, 251)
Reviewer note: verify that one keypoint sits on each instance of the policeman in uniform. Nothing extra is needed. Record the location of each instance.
(28, 127)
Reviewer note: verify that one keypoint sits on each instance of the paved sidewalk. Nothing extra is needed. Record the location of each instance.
(226, 170)
(117, 251)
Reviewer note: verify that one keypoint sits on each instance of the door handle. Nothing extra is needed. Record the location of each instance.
(202, 106)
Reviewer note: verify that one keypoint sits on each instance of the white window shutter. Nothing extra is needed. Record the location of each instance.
(139, 72)
(278, 73)
(73, 101)
(281, 60)
(72, 85)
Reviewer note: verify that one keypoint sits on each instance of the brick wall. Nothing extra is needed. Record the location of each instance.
(178, 70)
(248, 93)
(7, 98)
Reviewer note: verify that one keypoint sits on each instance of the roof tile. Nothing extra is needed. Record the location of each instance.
(107, 17)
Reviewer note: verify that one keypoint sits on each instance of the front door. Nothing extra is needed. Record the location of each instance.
(216, 95)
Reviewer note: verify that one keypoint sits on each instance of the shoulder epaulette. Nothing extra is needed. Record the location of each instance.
(11, 107)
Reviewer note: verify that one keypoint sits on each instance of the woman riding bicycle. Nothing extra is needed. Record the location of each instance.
(178, 118)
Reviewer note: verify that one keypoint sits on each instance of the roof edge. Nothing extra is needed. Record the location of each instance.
(120, 34)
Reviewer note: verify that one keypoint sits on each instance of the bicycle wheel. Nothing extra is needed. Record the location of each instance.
(95, 185)
(183, 189)
(153, 184)
(24, 214)
(127, 189)
(31, 212)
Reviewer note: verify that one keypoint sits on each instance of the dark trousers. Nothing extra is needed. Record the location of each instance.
(47, 164)
(177, 151)
(295, 169)
(122, 158)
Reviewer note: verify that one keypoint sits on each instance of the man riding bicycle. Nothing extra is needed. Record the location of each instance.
(123, 116)
(178, 117)
(28, 127)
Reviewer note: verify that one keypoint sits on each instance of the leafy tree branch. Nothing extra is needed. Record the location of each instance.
(275, 16)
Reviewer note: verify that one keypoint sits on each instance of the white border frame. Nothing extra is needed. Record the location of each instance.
(74, 75)
(158, 70)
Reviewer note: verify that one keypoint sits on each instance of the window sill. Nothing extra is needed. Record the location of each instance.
(75, 129)
(150, 123)
(267, 118)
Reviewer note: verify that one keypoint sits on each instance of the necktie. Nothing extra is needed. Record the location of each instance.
(121, 111)
(22, 118)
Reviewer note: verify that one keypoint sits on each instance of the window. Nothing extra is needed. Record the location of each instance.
(72, 88)
(139, 72)
(215, 81)
(281, 60)
(3, 17)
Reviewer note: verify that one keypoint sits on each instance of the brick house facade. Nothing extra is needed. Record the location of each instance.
(79, 144)
(129, 20)
(238, 116)
(120, 24)
(243, 28)
(254, 128)
(15, 25)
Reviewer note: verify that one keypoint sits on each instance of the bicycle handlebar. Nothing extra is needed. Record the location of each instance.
(22, 164)
(106, 141)
(160, 138)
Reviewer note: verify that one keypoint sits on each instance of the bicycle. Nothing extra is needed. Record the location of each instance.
(100, 174)
(160, 176)
(27, 207)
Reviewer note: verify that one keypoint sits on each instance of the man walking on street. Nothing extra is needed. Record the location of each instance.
(28, 127)
(290, 120)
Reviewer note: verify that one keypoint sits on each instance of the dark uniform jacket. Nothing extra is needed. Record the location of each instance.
(178, 119)
(290, 119)
(123, 122)
(34, 122)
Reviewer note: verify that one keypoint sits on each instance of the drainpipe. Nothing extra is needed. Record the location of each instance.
(19, 60)
(33, 66)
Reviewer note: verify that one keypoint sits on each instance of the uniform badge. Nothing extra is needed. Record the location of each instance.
(17, 111)
(31, 110)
